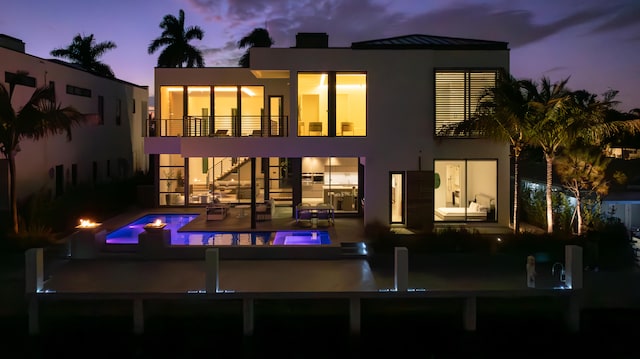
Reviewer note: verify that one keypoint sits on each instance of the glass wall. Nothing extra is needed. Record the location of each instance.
(227, 179)
(199, 110)
(313, 104)
(351, 104)
(332, 180)
(172, 108)
(315, 112)
(225, 101)
(465, 190)
(171, 180)
(252, 105)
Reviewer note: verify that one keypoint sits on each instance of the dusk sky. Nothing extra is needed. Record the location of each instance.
(596, 43)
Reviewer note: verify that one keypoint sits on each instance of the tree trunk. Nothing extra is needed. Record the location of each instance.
(579, 213)
(549, 159)
(516, 191)
(12, 191)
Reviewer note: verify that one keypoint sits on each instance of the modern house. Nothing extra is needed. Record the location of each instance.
(365, 128)
(108, 146)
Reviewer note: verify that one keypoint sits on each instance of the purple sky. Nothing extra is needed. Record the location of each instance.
(596, 43)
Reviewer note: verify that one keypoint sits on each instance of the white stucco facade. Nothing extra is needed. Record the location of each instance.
(400, 112)
(39, 164)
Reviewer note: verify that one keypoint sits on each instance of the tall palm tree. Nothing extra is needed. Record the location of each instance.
(259, 37)
(85, 52)
(175, 38)
(564, 118)
(501, 115)
(553, 125)
(40, 117)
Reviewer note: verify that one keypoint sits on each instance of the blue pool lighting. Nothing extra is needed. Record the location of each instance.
(129, 233)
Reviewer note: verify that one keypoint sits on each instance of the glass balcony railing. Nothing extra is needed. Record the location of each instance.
(219, 126)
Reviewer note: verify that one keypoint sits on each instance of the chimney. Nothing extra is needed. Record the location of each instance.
(11, 43)
(312, 40)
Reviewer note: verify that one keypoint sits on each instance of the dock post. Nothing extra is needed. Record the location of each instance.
(212, 264)
(401, 269)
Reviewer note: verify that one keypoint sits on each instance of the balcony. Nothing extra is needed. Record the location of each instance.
(219, 126)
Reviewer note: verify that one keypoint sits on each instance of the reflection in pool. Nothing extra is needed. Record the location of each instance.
(128, 234)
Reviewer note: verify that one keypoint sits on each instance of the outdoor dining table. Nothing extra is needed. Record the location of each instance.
(314, 210)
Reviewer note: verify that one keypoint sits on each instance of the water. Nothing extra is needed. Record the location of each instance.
(128, 234)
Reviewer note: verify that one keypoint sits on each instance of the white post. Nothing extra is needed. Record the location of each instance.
(573, 266)
(354, 315)
(247, 316)
(211, 270)
(401, 269)
(34, 270)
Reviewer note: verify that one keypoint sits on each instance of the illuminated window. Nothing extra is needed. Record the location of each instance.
(172, 110)
(465, 190)
(332, 104)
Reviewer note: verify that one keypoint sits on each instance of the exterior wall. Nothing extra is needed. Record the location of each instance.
(400, 114)
(37, 160)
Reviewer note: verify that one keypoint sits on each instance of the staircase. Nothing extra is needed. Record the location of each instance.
(226, 166)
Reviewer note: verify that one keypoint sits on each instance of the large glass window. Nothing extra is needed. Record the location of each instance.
(172, 110)
(332, 180)
(313, 105)
(456, 96)
(171, 180)
(198, 110)
(351, 104)
(332, 104)
(226, 109)
(231, 121)
(465, 190)
(252, 105)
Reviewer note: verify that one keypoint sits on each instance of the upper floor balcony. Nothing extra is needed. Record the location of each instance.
(219, 126)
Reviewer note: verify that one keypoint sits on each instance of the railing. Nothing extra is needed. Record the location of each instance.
(219, 126)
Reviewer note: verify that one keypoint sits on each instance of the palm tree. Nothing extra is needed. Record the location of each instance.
(553, 125)
(565, 118)
(175, 37)
(85, 52)
(259, 37)
(40, 117)
(501, 115)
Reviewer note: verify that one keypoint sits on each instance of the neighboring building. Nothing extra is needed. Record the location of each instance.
(336, 125)
(108, 146)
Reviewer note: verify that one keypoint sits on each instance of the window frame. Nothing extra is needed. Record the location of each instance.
(470, 101)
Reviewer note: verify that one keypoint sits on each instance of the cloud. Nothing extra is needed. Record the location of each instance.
(622, 17)
(352, 21)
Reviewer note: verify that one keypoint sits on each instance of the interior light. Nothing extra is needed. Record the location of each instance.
(225, 89)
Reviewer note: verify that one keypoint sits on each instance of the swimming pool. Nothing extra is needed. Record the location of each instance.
(128, 234)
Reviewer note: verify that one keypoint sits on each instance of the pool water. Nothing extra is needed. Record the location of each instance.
(128, 234)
